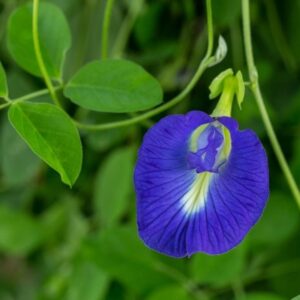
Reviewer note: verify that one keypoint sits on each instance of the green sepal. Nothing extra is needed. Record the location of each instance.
(216, 87)
(220, 53)
(227, 86)
(240, 88)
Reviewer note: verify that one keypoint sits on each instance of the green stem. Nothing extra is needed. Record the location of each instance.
(181, 96)
(6, 99)
(5, 105)
(105, 28)
(29, 96)
(255, 88)
(210, 30)
(35, 95)
(38, 53)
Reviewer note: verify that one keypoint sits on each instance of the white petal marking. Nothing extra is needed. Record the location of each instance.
(196, 197)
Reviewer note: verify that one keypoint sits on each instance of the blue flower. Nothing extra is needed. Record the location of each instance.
(201, 184)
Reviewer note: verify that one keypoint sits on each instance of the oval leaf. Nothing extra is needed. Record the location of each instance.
(113, 185)
(219, 270)
(3, 83)
(51, 134)
(114, 86)
(54, 37)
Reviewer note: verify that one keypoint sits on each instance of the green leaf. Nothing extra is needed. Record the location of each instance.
(87, 282)
(296, 298)
(19, 233)
(114, 86)
(54, 37)
(278, 211)
(218, 270)
(113, 185)
(119, 253)
(217, 85)
(16, 156)
(51, 134)
(262, 296)
(170, 292)
(3, 83)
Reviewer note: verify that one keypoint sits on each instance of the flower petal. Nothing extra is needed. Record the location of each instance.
(181, 212)
(236, 198)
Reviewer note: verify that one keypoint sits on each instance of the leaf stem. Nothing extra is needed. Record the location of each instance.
(6, 99)
(210, 30)
(181, 96)
(38, 54)
(5, 105)
(105, 28)
(29, 96)
(35, 95)
(255, 88)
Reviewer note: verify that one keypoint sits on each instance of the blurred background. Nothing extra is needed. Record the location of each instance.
(81, 243)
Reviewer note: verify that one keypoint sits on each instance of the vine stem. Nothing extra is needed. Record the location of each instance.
(34, 95)
(181, 96)
(6, 99)
(38, 53)
(29, 96)
(5, 105)
(105, 28)
(255, 88)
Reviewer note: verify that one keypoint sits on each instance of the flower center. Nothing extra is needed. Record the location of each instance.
(210, 147)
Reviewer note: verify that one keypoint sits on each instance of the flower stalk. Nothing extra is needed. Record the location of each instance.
(255, 88)
(38, 53)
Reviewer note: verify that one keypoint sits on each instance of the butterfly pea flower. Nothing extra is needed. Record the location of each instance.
(201, 184)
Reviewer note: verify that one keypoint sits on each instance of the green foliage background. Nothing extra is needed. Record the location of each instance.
(81, 243)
